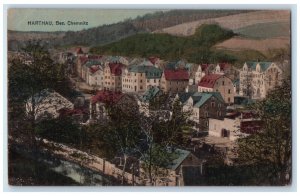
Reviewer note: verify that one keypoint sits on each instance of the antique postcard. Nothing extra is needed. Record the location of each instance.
(149, 97)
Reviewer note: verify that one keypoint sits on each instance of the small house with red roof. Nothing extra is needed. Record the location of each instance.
(174, 80)
(113, 76)
(218, 83)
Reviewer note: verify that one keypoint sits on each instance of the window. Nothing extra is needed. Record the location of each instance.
(148, 80)
(228, 99)
(223, 83)
(141, 81)
(212, 104)
(228, 91)
(219, 105)
(154, 80)
(141, 87)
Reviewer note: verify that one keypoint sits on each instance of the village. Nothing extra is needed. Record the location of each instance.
(215, 97)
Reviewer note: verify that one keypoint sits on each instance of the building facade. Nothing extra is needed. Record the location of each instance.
(218, 83)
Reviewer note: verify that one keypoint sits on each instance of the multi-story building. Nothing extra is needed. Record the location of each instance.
(218, 83)
(113, 76)
(257, 78)
(203, 106)
(139, 78)
(174, 80)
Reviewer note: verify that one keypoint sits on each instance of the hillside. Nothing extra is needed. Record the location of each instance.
(233, 22)
(109, 33)
(194, 48)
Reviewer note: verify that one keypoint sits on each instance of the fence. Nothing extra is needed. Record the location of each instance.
(92, 162)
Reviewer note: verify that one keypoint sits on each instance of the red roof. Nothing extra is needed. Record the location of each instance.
(116, 68)
(208, 81)
(251, 127)
(108, 97)
(94, 68)
(179, 74)
(83, 59)
(224, 66)
(79, 51)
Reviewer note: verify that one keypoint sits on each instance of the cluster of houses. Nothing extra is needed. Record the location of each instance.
(210, 93)
(208, 90)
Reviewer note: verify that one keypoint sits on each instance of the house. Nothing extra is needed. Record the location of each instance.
(47, 104)
(235, 125)
(257, 78)
(95, 76)
(151, 93)
(78, 52)
(195, 76)
(222, 68)
(217, 83)
(174, 80)
(107, 98)
(203, 106)
(113, 76)
(139, 78)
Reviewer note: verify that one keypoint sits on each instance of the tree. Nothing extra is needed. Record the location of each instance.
(272, 145)
(26, 81)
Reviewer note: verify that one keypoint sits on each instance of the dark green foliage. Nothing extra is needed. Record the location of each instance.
(273, 144)
(61, 130)
(23, 171)
(195, 48)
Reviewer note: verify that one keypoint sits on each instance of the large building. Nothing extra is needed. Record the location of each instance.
(218, 83)
(139, 78)
(257, 78)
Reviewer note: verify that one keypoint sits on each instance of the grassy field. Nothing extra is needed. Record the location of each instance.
(265, 30)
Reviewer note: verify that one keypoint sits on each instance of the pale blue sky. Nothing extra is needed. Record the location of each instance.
(18, 18)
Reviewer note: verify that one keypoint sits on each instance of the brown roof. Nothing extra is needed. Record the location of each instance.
(116, 68)
(179, 74)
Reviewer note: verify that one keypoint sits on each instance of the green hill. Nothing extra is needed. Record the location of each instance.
(195, 48)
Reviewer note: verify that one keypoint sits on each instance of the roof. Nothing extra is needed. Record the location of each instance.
(200, 98)
(263, 65)
(94, 69)
(116, 68)
(205, 67)
(183, 97)
(108, 97)
(153, 59)
(150, 93)
(209, 80)
(224, 66)
(79, 51)
(179, 74)
(151, 71)
(180, 156)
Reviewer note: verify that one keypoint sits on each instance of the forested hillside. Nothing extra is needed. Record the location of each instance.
(195, 48)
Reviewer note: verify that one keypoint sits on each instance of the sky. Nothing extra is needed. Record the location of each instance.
(18, 18)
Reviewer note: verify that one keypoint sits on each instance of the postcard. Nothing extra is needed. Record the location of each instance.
(149, 97)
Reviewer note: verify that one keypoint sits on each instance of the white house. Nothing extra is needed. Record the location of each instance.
(47, 104)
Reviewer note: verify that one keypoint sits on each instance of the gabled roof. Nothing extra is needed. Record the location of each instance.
(209, 80)
(116, 68)
(184, 96)
(179, 74)
(180, 156)
(200, 98)
(79, 51)
(150, 93)
(107, 97)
